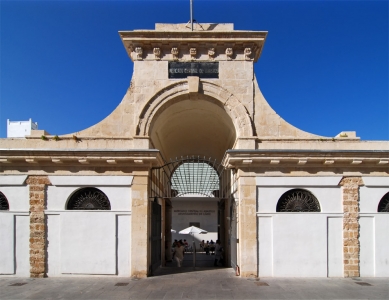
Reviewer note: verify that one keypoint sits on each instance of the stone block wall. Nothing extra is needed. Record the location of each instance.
(37, 225)
(351, 245)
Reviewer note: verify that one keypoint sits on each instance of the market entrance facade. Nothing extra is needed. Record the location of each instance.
(194, 191)
(104, 200)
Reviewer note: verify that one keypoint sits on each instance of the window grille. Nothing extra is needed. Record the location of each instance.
(3, 202)
(383, 206)
(298, 200)
(89, 199)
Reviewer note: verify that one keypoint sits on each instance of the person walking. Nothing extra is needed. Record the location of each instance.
(218, 253)
(179, 253)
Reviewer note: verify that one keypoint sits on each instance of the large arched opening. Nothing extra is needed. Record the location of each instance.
(192, 133)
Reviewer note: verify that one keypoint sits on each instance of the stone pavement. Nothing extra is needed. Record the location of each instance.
(187, 283)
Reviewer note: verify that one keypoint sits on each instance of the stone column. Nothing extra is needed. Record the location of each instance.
(37, 225)
(247, 226)
(140, 227)
(351, 247)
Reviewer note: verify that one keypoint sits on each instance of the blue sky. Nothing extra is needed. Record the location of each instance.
(324, 67)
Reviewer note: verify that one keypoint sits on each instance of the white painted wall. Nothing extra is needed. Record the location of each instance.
(89, 242)
(14, 227)
(300, 244)
(20, 128)
(202, 210)
(374, 228)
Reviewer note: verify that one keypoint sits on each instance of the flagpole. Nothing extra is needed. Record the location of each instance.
(191, 14)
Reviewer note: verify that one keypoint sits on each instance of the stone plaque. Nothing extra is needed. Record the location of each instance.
(200, 69)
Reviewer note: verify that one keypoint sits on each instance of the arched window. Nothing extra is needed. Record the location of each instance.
(88, 199)
(298, 200)
(195, 178)
(3, 202)
(383, 206)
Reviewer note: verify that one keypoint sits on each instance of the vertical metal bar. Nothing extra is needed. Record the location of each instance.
(191, 14)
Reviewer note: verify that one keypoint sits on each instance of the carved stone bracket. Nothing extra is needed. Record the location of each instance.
(199, 45)
(247, 53)
(175, 53)
(139, 52)
(193, 53)
(211, 53)
(157, 53)
(229, 53)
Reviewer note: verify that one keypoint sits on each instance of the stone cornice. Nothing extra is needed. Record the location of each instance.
(78, 157)
(299, 158)
(196, 45)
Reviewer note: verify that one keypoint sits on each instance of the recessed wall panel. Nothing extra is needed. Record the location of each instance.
(335, 247)
(88, 243)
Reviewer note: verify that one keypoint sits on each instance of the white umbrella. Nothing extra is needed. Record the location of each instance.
(172, 230)
(192, 230)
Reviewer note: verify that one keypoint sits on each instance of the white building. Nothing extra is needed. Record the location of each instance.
(284, 202)
(19, 129)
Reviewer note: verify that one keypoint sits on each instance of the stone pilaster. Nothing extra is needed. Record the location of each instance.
(168, 234)
(247, 226)
(37, 225)
(140, 216)
(351, 247)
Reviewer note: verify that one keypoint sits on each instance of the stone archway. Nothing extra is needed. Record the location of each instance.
(200, 118)
(233, 107)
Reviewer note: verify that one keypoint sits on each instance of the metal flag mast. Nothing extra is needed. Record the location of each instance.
(191, 21)
(191, 14)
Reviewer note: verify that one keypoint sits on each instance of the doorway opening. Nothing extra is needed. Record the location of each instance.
(193, 191)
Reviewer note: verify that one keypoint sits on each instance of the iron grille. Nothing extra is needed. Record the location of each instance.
(3, 202)
(193, 175)
(298, 201)
(383, 206)
(89, 199)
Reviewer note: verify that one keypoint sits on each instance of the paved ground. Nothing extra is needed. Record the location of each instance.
(189, 283)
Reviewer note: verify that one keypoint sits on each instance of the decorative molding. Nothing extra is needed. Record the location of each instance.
(139, 53)
(229, 53)
(247, 53)
(157, 53)
(329, 162)
(356, 162)
(193, 53)
(175, 53)
(211, 53)
(202, 40)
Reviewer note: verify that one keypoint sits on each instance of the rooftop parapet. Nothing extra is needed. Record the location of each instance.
(176, 42)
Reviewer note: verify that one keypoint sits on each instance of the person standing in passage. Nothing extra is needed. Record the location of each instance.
(179, 253)
(218, 253)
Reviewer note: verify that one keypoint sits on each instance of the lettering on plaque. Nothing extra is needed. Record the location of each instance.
(194, 212)
(200, 69)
